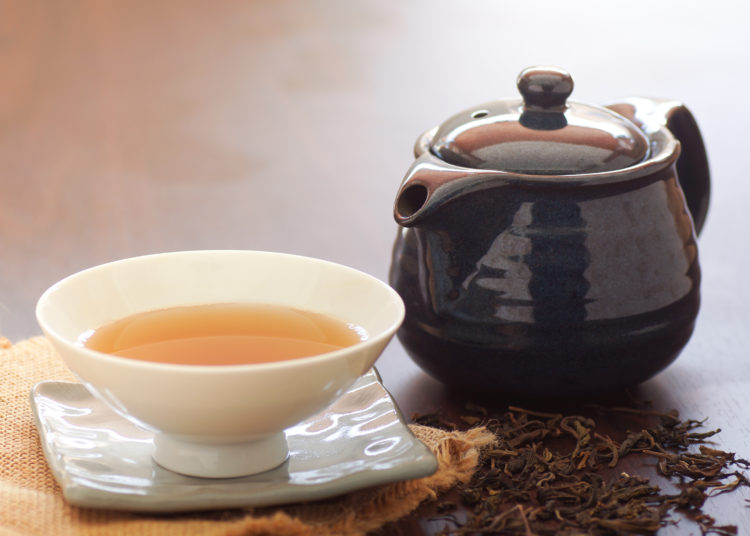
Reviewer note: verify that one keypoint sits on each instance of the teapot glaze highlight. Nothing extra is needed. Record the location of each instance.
(547, 247)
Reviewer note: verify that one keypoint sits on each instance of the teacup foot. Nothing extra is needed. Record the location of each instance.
(220, 460)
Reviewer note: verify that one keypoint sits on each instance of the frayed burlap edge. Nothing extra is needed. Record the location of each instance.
(364, 511)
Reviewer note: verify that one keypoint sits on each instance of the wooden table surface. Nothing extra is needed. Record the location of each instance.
(136, 127)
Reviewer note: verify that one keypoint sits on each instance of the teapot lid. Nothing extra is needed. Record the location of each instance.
(541, 134)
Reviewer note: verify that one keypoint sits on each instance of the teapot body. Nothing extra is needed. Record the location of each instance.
(556, 290)
(548, 247)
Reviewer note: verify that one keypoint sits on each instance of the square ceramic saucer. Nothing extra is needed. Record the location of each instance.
(102, 460)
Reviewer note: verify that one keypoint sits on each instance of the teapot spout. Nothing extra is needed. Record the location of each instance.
(430, 182)
(428, 185)
(652, 115)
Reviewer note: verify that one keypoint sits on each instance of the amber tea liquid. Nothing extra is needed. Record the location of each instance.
(223, 334)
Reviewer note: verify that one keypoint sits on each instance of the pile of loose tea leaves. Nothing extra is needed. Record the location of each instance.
(558, 474)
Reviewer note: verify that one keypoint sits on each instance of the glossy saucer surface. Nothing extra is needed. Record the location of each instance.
(102, 460)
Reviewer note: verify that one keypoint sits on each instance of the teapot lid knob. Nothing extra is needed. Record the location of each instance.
(545, 88)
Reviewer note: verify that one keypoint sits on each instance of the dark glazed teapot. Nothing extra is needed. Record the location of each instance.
(547, 247)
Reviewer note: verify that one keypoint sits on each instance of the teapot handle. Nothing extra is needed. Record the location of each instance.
(692, 164)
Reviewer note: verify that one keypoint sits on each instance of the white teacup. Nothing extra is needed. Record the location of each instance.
(218, 421)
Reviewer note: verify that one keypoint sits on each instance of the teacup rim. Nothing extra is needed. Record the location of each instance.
(374, 340)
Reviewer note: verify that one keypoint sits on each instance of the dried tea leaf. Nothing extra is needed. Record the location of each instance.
(529, 485)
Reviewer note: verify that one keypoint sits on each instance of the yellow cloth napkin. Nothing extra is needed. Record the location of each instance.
(31, 502)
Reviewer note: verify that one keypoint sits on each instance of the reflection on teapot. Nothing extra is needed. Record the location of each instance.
(547, 246)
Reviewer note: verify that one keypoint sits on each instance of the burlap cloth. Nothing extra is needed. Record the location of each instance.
(31, 502)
